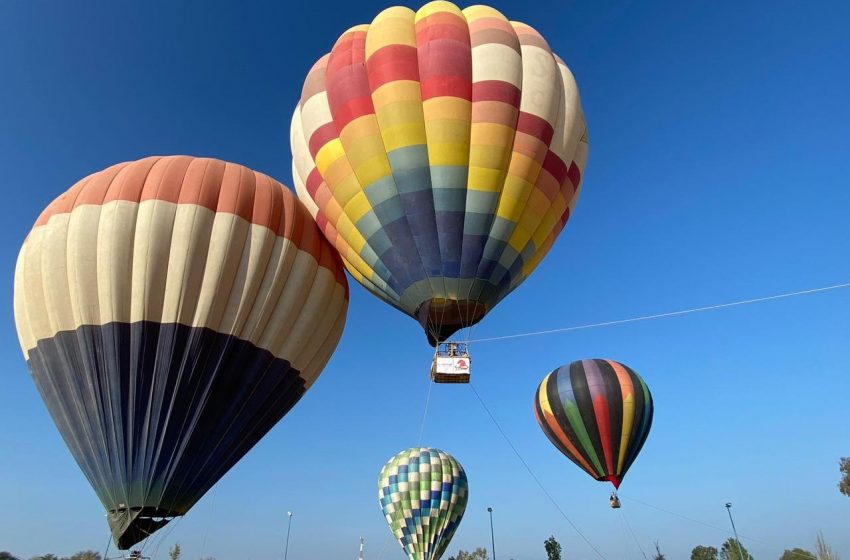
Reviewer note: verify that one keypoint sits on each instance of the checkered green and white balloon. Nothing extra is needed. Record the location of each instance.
(423, 493)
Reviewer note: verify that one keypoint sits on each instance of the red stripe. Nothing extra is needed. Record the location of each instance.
(322, 136)
(496, 90)
(555, 166)
(535, 126)
(314, 182)
(392, 63)
(574, 174)
(446, 86)
(600, 407)
(349, 96)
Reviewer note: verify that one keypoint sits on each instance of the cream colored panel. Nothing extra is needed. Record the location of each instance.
(540, 88)
(82, 262)
(495, 61)
(315, 113)
(187, 264)
(151, 247)
(116, 232)
(284, 317)
(54, 275)
(226, 243)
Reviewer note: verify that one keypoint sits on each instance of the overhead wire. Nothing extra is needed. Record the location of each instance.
(666, 314)
(631, 531)
(534, 476)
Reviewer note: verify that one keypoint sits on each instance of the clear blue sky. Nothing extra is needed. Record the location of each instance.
(718, 171)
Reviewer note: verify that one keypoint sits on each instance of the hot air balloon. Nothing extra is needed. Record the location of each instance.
(441, 152)
(598, 413)
(171, 311)
(423, 493)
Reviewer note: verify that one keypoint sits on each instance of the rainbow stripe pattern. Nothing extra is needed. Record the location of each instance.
(598, 413)
(441, 152)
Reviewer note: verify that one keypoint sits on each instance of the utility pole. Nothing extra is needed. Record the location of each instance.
(288, 530)
(734, 531)
(492, 535)
(360, 556)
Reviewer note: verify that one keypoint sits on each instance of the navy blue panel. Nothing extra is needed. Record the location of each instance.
(156, 413)
(419, 207)
(473, 247)
(450, 225)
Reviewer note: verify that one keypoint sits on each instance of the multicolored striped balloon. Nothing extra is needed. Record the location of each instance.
(598, 413)
(171, 311)
(441, 152)
(423, 494)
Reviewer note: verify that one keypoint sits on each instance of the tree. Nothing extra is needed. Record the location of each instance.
(174, 552)
(732, 549)
(85, 555)
(477, 554)
(797, 554)
(46, 557)
(553, 548)
(824, 550)
(7, 556)
(704, 553)
(658, 555)
(844, 483)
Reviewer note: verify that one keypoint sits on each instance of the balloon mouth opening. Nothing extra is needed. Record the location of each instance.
(612, 479)
(131, 525)
(441, 318)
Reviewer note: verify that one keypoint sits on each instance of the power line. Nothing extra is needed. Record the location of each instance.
(537, 480)
(667, 314)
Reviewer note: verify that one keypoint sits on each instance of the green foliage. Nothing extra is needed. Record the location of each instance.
(45, 557)
(704, 553)
(85, 555)
(553, 548)
(732, 549)
(477, 554)
(844, 483)
(824, 550)
(174, 552)
(797, 554)
(658, 555)
(7, 556)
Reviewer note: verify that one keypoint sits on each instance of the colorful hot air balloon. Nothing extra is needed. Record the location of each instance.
(441, 152)
(597, 413)
(423, 493)
(171, 311)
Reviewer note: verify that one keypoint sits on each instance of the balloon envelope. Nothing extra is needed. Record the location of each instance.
(423, 494)
(596, 412)
(171, 311)
(441, 151)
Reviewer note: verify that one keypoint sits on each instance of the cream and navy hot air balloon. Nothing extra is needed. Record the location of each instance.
(441, 152)
(423, 493)
(171, 311)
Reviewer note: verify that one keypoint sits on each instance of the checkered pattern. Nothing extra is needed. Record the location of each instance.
(423, 494)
